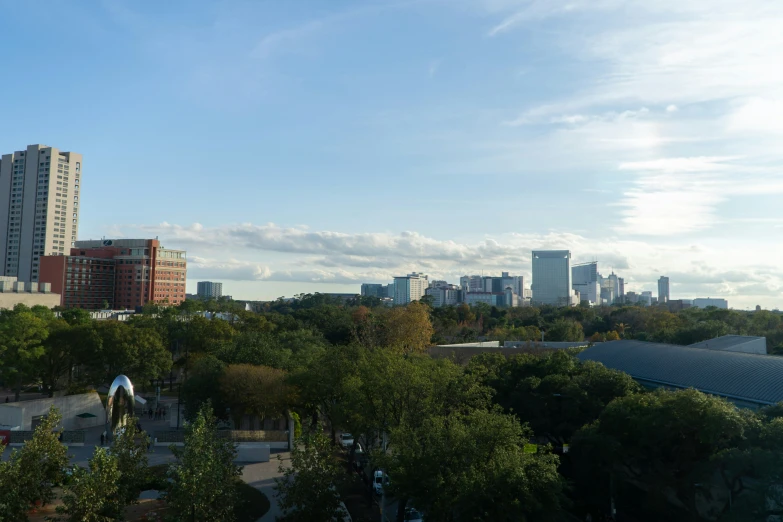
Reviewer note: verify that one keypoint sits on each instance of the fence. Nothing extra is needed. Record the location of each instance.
(235, 435)
(68, 437)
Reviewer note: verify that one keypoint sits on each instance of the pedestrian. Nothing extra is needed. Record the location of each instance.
(150, 413)
(589, 518)
(6, 399)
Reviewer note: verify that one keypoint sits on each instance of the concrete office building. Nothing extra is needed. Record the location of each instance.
(663, 290)
(706, 302)
(39, 207)
(409, 288)
(646, 298)
(473, 283)
(490, 298)
(584, 279)
(143, 271)
(14, 292)
(476, 283)
(372, 290)
(444, 294)
(552, 278)
(209, 290)
(611, 289)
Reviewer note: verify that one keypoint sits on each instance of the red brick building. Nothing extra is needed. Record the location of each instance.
(123, 273)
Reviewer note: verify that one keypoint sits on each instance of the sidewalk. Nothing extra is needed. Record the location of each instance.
(262, 476)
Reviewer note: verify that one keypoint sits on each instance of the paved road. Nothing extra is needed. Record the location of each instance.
(262, 476)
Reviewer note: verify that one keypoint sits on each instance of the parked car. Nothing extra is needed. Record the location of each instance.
(412, 515)
(346, 440)
(378, 481)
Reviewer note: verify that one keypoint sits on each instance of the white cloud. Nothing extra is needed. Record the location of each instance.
(757, 115)
(671, 108)
(707, 268)
(678, 195)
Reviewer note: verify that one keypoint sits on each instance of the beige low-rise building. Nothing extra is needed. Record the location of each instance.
(13, 292)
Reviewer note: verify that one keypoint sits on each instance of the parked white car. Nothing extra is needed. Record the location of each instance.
(346, 440)
(378, 482)
(412, 515)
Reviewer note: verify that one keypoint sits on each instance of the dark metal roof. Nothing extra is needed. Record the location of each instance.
(735, 343)
(747, 377)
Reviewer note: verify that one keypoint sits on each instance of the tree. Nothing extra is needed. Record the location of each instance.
(204, 475)
(137, 352)
(129, 450)
(321, 385)
(307, 490)
(565, 330)
(22, 333)
(408, 329)
(664, 442)
(92, 495)
(27, 478)
(472, 466)
(556, 394)
(255, 390)
(203, 385)
(57, 359)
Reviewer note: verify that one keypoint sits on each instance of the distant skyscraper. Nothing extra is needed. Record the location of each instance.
(584, 279)
(409, 288)
(209, 290)
(663, 290)
(494, 284)
(39, 208)
(373, 290)
(552, 277)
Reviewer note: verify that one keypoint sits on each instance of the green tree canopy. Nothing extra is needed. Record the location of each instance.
(204, 475)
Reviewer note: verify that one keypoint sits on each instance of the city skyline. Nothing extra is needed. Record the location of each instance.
(313, 147)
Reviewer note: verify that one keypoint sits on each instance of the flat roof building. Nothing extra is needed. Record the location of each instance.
(14, 292)
(584, 279)
(706, 302)
(209, 290)
(123, 273)
(39, 207)
(410, 288)
(552, 278)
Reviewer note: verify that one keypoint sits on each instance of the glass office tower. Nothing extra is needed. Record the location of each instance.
(552, 277)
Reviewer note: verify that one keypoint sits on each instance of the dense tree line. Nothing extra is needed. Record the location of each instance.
(454, 438)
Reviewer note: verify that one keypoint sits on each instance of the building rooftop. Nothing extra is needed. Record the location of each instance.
(752, 378)
(735, 343)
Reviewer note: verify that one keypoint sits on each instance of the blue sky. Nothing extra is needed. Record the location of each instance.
(311, 145)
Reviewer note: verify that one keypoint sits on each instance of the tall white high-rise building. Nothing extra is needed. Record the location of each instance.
(409, 288)
(552, 278)
(663, 289)
(39, 208)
